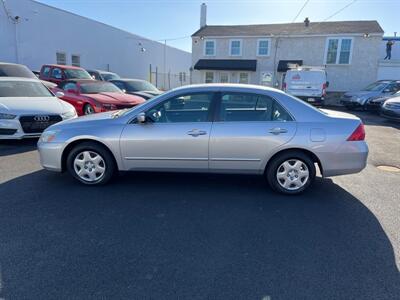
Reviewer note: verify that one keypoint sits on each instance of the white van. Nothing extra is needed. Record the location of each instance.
(307, 83)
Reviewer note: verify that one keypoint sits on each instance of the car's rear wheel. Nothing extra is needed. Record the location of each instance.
(88, 109)
(91, 164)
(291, 172)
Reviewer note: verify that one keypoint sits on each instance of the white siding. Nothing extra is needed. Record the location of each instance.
(43, 30)
(361, 71)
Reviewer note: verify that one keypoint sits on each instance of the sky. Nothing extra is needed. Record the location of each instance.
(176, 20)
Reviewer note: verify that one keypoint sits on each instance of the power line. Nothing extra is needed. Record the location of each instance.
(301, 9)
(340, 10)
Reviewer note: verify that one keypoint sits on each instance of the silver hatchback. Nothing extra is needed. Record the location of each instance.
(211, 128)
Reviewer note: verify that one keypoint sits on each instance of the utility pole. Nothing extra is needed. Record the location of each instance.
(165, 64)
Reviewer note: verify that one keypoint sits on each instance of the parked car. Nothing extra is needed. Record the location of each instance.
(137, 87)
(16, 70)
(379, 88)
(391, 109)
(27, 108)
(307, 83)
(37, 73)
(211, 128)
(59, 73)
(91, 96)
(102, 75)
(375, 103)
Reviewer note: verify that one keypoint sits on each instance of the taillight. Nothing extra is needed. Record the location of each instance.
(324, 89)
(358, 134)
(284, 86)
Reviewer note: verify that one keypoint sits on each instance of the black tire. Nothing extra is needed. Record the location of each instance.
(277, 161)
(88, 109)
(103, 152)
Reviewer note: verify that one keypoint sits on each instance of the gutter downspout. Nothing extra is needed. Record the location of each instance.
(275, 55)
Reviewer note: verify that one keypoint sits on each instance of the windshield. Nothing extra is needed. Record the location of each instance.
(376, 86)
(7, 70)
(99, 87)
(109, 76)
(77, 74)
(137, 86)
(23, 89)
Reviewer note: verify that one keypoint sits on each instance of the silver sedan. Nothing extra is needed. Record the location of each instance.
(211, 128)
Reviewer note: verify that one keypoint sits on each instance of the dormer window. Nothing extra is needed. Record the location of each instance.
(235, 47)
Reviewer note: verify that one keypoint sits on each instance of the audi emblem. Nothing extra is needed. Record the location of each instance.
(41, 118)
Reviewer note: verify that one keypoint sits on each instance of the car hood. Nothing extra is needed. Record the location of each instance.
(362, 94)
(33, 105)
(115, 98)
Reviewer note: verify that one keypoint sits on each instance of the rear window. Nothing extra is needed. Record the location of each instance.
(23, 89)
(16, 71)
(109, 76)
(306, 76)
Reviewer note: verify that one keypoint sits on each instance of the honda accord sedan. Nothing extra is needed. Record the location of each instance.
(27, 107)
(216, 128)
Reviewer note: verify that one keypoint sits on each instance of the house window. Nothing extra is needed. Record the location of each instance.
(209, 47)
(263, 47)
(243, 77)
(209, 77)
(76, 60)
(338, 51)
(235, 48)
(61, 58)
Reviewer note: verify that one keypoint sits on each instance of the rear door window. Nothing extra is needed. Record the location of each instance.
(244, 107)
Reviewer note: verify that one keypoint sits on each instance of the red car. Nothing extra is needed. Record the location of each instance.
(59, 73)
(91, 96)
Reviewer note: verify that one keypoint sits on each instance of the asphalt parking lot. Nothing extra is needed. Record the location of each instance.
(169, 236)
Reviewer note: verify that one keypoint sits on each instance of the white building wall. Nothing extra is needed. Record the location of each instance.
(43, 30)
(361, 71)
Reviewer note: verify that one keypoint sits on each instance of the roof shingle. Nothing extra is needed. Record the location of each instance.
(340, 27)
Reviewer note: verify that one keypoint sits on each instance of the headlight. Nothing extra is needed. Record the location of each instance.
(48, 136)
(109, 106)
(7, 116)
(69, 114)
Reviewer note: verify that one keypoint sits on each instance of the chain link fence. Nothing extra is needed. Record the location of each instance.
(167, 81)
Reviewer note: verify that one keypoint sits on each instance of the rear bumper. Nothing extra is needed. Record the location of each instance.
(349, 103)
(349, 158)
(50, 155)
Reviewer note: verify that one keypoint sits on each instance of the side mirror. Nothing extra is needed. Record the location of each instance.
(141, 118)
(60, 94)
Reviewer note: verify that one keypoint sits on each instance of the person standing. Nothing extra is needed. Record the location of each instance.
(389, 45)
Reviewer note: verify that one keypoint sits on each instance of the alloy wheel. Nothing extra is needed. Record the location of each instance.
(88, 110)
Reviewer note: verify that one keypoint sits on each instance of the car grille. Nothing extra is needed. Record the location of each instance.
(6, 131)
(38, 123)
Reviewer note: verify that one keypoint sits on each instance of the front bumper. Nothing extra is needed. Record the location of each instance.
(51, 155)
(12, 130)
(373, 106)
(392, 114)
(349, 103)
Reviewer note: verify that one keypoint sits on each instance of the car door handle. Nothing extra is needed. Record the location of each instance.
(196, 132)
(277, 130)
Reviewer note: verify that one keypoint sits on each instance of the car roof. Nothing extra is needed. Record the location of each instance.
(63, 66)
(100, 71)
(129, 79)
(228, 87)
(5, 78)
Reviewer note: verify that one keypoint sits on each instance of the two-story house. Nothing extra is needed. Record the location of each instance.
(261, 54)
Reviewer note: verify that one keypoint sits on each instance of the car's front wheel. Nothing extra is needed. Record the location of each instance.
(291, 172)
(91, 164)
(88, 109)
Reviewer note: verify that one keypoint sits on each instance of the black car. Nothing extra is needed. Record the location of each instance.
(137, 87)
(375, 104)
(103, 75)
